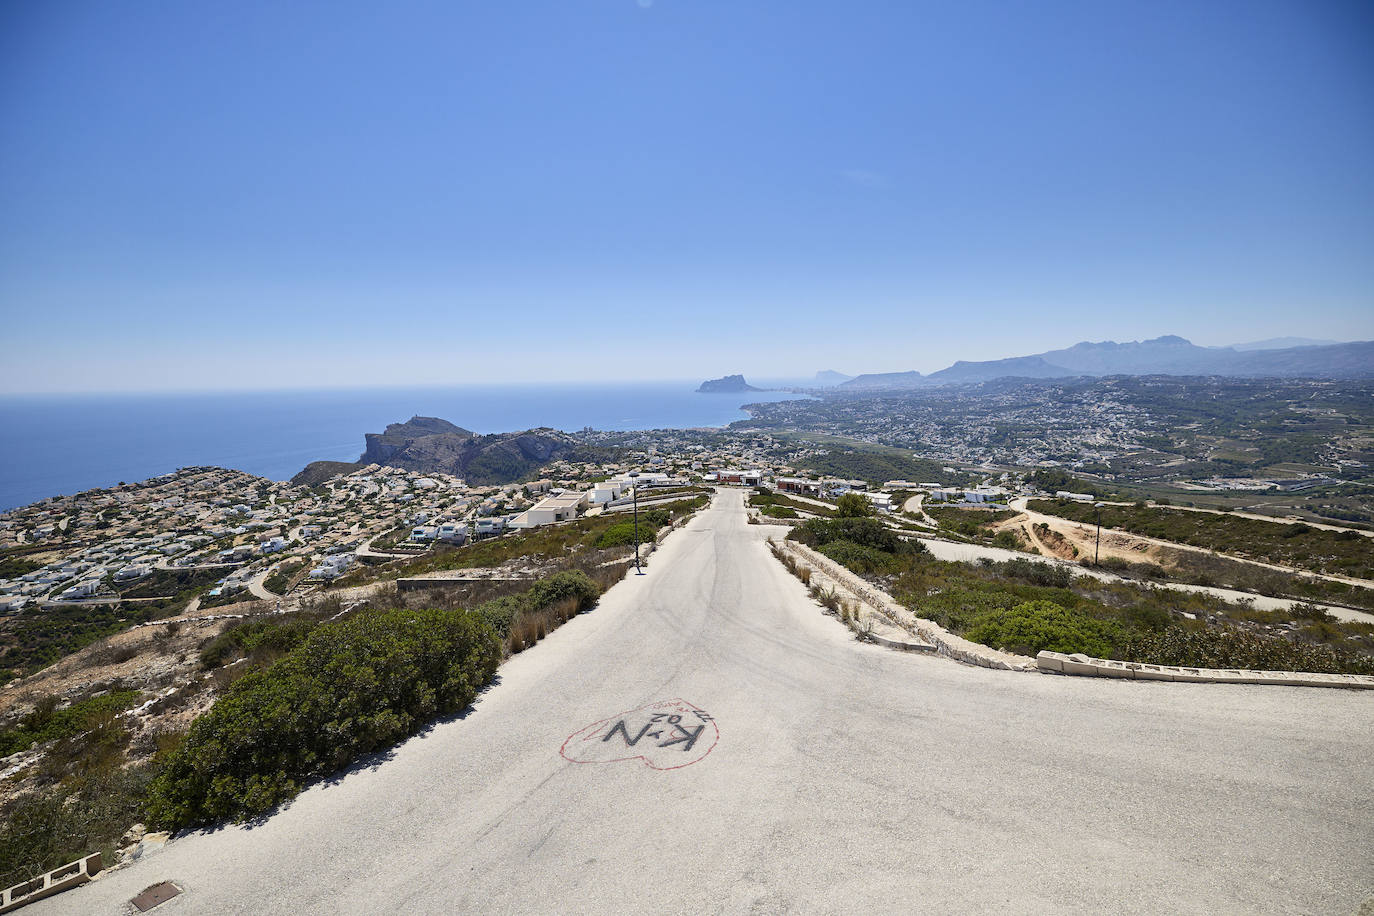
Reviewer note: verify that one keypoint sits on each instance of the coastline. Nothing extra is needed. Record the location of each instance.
(100, 440)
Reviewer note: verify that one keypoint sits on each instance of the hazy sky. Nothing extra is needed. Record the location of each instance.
(260, 194)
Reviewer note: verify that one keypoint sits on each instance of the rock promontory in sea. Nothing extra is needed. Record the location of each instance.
(726, 385)
(431, 444)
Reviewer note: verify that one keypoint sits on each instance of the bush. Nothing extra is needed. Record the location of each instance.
(47, 723)
(853, 505)
(865, 532)
(573, 587)
(1227, 647)
(1033, 626)
(562, 586)
(500, 613)
(352, 687)
(862, 560)
(261, 638)
(622, 533)
(44, 830)
(1049, 575)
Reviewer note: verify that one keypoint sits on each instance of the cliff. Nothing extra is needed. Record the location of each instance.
(428, 444)
(726, 385)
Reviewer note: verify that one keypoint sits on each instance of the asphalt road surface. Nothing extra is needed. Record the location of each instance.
(806, 772)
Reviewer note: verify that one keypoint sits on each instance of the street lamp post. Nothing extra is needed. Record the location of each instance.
(1097, 549)
(634, 492)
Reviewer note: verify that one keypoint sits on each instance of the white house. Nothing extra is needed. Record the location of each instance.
(133, 571)
(272, 545)
(557, 508)
(486, 527)
(452, 532)
(604, 492)
(880, 501)
(83, 589)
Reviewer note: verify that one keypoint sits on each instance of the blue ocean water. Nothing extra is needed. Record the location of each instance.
(61, 444)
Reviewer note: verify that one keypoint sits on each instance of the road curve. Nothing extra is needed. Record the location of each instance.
(845, 778)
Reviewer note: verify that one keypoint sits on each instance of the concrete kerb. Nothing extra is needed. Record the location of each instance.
(54, 882)
(1084, 665)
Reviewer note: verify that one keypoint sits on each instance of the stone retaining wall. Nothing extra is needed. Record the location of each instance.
(945, 642)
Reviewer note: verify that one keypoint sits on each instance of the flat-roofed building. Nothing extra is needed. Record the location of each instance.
(559, 507)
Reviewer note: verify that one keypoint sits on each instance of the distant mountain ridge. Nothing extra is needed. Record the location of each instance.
(831, 377)
(1167, 355)
(1283, 343)
(911, 379)
(1019, 366)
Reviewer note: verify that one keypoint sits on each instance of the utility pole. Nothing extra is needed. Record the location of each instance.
(634, 492)
(1097, 550)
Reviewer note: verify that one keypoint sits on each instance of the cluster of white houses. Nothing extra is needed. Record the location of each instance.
(557, 505)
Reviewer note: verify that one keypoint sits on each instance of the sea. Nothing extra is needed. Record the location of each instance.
(54, 445)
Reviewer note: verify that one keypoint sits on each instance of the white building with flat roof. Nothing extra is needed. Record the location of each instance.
(560, 507)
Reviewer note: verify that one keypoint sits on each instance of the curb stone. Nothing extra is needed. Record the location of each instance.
(1079, 664)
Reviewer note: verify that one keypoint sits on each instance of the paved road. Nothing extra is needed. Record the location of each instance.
(257, 586)
(840, 777)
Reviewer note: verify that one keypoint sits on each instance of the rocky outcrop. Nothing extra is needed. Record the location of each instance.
(728, 384)
(428, 444)
(398, 437)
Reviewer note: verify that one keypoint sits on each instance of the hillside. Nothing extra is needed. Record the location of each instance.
(885, 380)
(1015, 367)
(317, 472)
(428, 444)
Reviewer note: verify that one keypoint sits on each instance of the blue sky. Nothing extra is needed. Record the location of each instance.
(285, 194)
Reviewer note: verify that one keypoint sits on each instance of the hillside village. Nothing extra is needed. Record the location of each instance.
(201, 536)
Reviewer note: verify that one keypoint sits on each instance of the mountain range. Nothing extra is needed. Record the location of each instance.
(1167, 355)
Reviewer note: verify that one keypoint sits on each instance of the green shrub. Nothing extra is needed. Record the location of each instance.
(352, 687)
(569, 585)
(560, 587)
(43, 830)
(500, 613)
(273, 635)
(866, 532)
(47, 723)
(1228, 647)
(622, 533)
(1033, 626)
(862, 560)
(853, 505)
(1049, 575)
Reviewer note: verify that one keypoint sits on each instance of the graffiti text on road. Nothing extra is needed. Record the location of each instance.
(667, 735)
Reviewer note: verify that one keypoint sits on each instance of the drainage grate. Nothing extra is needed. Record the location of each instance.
(152, 896)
